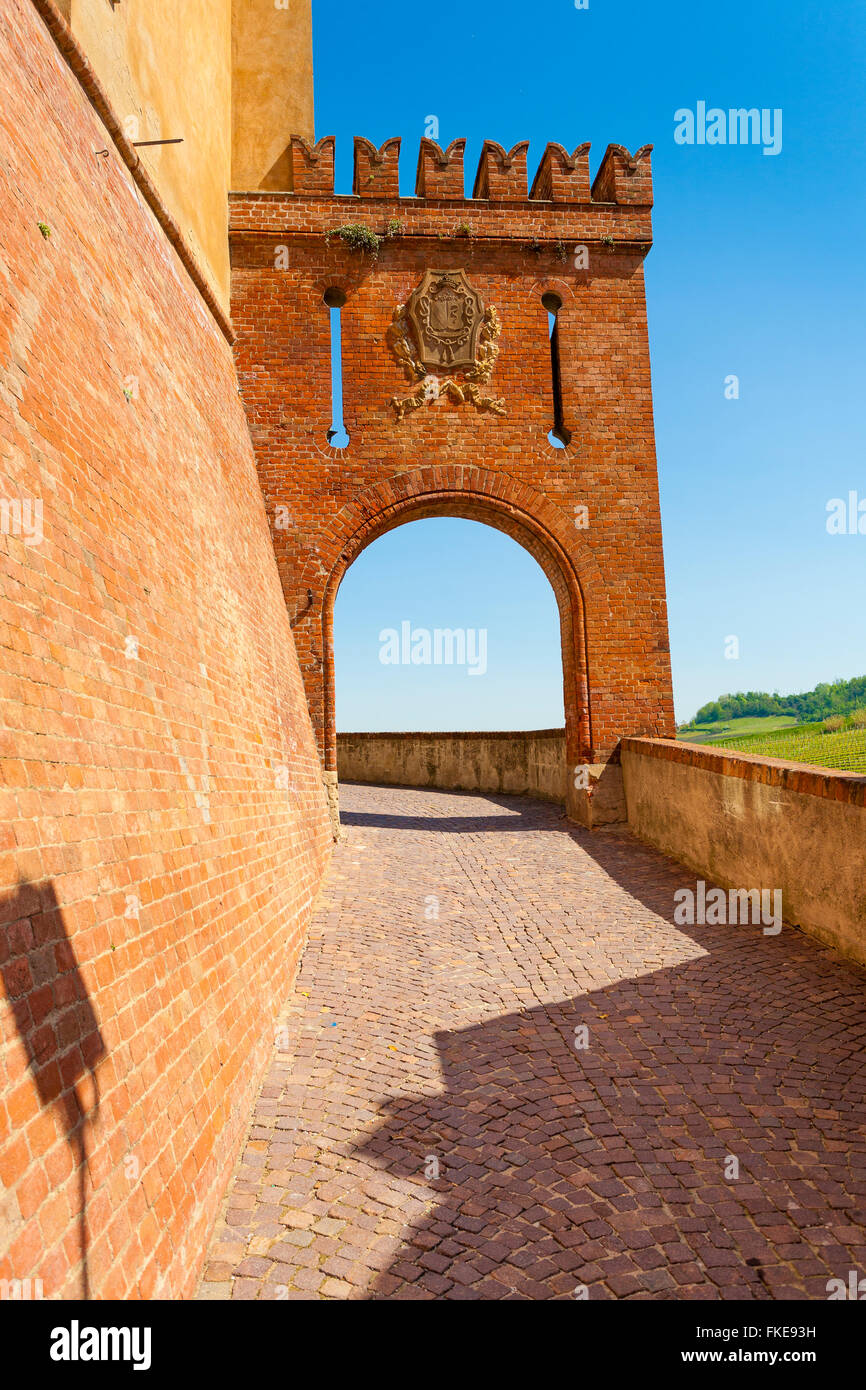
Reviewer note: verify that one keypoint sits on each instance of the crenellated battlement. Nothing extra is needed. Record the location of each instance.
(562, 177)
(440, 172)
(563, 204)
(501, 175)
(624, 178)
(313, 165)
(377, 172)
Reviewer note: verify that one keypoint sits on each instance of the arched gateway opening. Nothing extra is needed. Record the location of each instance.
(448, 627)
(527, 532)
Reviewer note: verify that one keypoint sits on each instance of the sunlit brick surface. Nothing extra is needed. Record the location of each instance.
(410, 1038)
(163, 829)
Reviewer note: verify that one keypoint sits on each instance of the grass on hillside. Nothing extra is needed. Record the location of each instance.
(841, 748)
(735, 728)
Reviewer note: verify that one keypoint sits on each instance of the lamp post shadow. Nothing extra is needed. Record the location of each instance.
(56, 1023)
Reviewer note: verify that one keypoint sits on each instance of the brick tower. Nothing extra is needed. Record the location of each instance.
(453, 382)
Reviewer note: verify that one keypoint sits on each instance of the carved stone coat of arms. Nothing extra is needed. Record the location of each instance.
(446, 314)
(445, 327)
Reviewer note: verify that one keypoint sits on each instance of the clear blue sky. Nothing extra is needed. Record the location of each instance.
(757, 270)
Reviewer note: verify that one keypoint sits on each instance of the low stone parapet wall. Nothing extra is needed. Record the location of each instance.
(744, 823)
(523, 764)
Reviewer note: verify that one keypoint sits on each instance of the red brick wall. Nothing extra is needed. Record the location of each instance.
(448, 458)
(163, 828)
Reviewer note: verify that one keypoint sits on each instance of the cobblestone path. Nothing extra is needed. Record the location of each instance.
(461, 944)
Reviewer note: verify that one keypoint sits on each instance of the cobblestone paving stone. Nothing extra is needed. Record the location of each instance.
(413, 1038)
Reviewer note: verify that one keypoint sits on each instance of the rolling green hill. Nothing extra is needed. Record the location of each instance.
(838, 697)
(839, 741)
(734, 728)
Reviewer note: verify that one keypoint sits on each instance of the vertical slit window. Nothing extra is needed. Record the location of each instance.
(337, 436)
(559, 436)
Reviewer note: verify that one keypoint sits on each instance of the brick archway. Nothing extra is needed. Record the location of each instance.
(495, 500)
(589, 513)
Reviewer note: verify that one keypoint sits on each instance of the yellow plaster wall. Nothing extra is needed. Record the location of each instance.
(272, 75)
(233, 78)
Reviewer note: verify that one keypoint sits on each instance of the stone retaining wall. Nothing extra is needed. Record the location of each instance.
(525, 764)
(746, 822)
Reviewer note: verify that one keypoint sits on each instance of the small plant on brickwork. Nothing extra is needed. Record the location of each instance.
(561, 251)
(463, 229)
(607, 241)
(44, 229)
(358, 238)
(394, 227)
(534, 247)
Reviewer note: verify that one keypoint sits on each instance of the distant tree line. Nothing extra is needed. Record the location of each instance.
(839, 697)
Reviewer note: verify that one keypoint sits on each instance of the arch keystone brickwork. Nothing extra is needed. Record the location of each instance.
(589, 513)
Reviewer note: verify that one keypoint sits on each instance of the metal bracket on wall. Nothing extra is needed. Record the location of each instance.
(178, 140)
